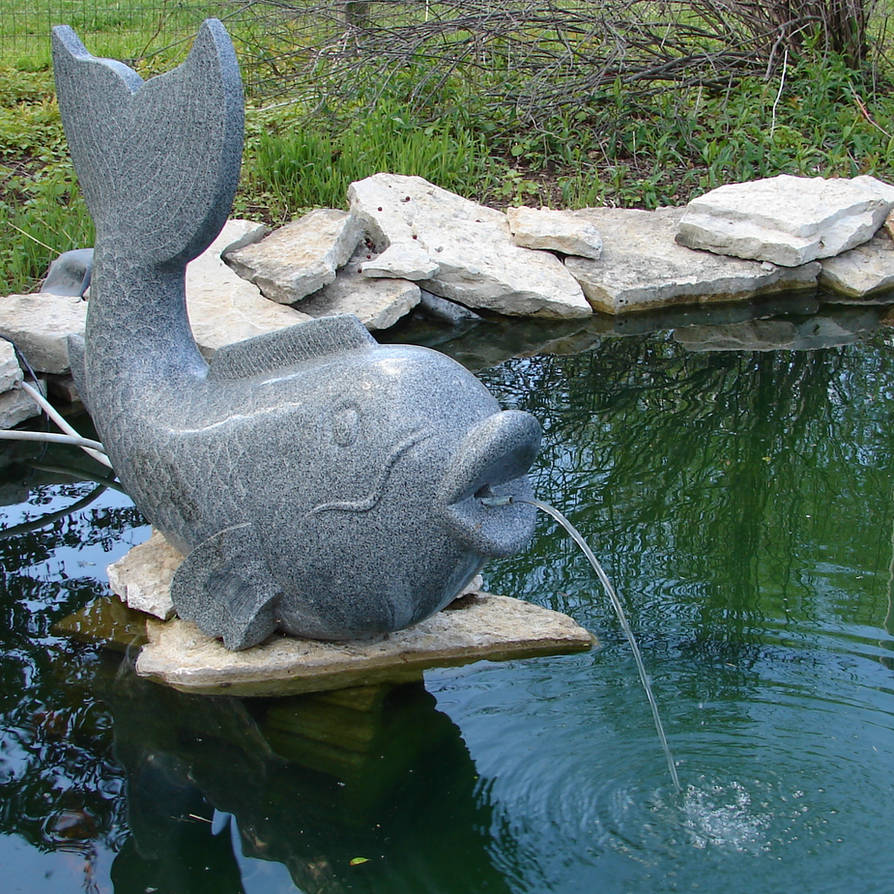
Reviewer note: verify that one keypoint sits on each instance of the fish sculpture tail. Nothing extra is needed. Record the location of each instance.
(189, 121)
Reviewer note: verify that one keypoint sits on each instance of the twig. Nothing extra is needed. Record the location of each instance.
(865, 113)
(779, 92)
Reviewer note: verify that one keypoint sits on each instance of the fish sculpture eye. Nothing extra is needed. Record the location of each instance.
(318, 483)
(346, 423)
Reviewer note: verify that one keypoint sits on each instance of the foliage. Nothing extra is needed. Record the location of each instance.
(632, 141)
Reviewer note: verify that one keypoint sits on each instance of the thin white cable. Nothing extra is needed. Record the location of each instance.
(52, 437)
(94, 449)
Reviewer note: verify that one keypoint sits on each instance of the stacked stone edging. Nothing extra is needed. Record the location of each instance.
(404, 239)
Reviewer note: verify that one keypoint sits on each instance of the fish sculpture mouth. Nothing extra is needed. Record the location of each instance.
(492, 461)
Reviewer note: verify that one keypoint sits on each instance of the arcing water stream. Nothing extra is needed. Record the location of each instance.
(619, 612)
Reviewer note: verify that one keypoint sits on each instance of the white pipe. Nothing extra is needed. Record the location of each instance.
(93, 448)
(52, 437)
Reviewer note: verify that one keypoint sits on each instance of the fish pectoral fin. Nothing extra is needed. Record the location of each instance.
(285, 348)
(225, 587)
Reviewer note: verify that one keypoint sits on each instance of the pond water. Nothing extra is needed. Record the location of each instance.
(741, 502)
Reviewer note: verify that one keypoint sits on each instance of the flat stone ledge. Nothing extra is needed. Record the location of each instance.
(477, 626)
(141, 579)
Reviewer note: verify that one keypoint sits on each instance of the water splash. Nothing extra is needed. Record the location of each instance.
(619, 612)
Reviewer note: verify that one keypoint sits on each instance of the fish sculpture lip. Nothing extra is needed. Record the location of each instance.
(492, 459)
(319, 484)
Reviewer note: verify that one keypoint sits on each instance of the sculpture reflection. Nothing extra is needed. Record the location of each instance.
(311, 782)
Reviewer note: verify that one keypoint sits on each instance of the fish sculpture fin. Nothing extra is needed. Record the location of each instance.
(285, 348)
(224, 585)
(158, 160)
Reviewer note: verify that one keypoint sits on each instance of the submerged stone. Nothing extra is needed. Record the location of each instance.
(106, 621)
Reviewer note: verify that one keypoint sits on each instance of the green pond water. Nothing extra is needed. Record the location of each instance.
(741, 502)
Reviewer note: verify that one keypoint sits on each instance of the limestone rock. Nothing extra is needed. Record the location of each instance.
(882, 189)
(563, 231)
(786, 220)
(863, 272)
(222, 306)
(10, 371)
(478, 264)
(478, 626)
(643, 267)
(16, 407)
(403, 260)
(377, 303)
(40, 324)
(301, 257)
(142, 577)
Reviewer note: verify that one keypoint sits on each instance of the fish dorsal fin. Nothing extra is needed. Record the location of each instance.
(285, 348)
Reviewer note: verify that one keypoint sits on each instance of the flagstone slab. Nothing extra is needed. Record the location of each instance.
(16, 407)
(567, 232)
(475, 626)
(478, 264)
(403, 260)
(643, 267)
(863, 273)
(300, 258)
(10, 371)
(377, 302)
(481, 626)
(786, 220)
(40, 323)
(222, 306)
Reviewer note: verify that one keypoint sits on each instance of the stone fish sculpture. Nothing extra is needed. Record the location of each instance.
(317, 482)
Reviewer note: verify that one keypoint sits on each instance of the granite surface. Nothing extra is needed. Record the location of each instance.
(318, 484)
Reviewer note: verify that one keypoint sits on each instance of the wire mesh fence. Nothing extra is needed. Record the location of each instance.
(129, 28)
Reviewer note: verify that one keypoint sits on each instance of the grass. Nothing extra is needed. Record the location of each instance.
(619, 148)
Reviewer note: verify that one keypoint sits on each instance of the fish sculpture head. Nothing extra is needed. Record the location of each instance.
(361, 503)
(318, 483)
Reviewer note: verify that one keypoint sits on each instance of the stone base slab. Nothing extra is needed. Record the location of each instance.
(475, 626)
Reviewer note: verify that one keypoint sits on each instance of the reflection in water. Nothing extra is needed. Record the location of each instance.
(313, 783)
(741, 500)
